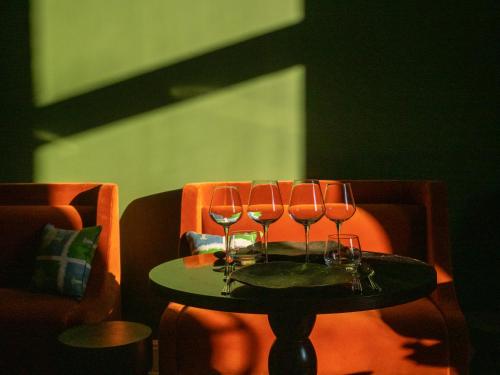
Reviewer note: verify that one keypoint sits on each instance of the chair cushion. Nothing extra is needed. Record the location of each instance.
(64, 259)
(405, 339)
(20, 231)
(24, 313)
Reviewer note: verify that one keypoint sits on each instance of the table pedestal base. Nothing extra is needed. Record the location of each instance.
(292, 352)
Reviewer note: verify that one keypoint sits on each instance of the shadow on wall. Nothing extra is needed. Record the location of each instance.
(476, 247)
(149, 236)
(16, 115)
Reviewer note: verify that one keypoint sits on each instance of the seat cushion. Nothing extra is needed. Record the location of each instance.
(29, 325)
(405, 339)
(23, 313)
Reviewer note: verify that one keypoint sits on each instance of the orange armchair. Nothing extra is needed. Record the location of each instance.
(427, 336)
(31, 321)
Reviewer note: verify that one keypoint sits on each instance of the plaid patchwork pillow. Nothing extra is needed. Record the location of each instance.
(204, 243)
(64, 259)
(201, 243)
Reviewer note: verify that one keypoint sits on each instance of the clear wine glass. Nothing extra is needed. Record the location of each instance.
(339, 203)
(225, 209)
(265, 206)
(306, 205)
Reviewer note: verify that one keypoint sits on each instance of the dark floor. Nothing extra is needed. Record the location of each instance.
(484, 329)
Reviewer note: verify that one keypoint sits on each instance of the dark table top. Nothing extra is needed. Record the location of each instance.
(106, 334)
(192, 281)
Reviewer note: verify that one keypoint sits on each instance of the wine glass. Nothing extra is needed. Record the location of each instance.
(265, 206)
(225, 209)
(339, 203)
(306, 205)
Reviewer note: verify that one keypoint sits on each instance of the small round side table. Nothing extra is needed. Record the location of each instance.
(111, 347)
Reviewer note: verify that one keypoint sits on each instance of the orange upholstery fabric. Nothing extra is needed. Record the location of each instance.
(375, 341)
(31, 321)
(427, 336)
(149, 229)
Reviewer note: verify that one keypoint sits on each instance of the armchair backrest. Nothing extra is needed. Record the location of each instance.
(26, 207)
(403, 217)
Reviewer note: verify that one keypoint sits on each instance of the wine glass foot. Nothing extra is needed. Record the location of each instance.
(356, 285)
(226, 290)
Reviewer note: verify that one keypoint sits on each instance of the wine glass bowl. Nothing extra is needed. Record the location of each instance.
(225, 209)
(306, 205)
(339, 203)
(265, 206)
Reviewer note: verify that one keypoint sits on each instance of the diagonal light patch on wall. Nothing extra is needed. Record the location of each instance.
(239, 133)
(234, 113)
(201, 75)
(79, 47)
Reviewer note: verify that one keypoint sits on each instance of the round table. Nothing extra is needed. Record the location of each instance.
(292, 312)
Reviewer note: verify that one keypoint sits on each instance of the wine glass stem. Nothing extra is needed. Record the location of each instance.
(226, 246)
(338, 224)
(266, 229)
(306, 228)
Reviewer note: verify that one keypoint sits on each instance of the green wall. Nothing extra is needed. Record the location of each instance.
(246, 128)
(80, 45)
(248, 131)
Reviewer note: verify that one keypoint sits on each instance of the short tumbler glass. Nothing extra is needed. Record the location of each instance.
(245, 247)
(345, 253)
